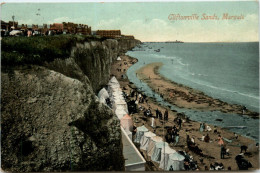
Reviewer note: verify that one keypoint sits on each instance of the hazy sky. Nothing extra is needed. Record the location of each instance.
(147, 21)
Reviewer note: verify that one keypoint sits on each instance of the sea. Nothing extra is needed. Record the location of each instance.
(225, 71)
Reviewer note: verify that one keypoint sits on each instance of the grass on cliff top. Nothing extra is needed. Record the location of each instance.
(36, 50)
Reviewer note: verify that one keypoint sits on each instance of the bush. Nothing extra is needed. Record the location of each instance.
(38, 49)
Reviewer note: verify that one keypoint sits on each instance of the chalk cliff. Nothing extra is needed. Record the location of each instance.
(51, 119)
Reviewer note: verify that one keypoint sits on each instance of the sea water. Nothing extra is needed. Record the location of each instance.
(226, 71)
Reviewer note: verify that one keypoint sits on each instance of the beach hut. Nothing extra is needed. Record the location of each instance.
(176, 160)
(121, 104)
(165, 153)
(102, 100)
(152, 143)
(103, 93)
(139, 133)
(146, 139)
(127, 123)
(120, 113)
(118, 58)
(113, 81)
(156, 157)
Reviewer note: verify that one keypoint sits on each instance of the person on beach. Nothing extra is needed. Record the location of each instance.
(222, 152)
(202, 127)
(134, 129)
(160, 115)
(215, 130)
(171, 168)
(188, 141)
(208, 129)
(220, 140)
(206, 139)
(176, 139)
(192, 140)
(203, 137)
(174, 128)
(157, 113)
(153, 123)
(179, 123)
(166, 115)
(236, 136)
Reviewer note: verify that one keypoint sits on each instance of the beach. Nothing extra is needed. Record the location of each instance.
(183, 96)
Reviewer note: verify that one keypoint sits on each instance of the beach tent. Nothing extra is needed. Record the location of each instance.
(102, 100)
(146, 139)
(118, 58)
(165, 153)
(176, 160)
(152, 143)
(127, 123)
(139, 133)
(113, 88)
(103, 93)
(120, 113)
(120, 105)
(113, 81)
(156, 157)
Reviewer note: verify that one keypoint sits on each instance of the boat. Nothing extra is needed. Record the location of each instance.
(158, 50)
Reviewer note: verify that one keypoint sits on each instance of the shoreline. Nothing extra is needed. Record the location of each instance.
(211, 150)
(186, 97)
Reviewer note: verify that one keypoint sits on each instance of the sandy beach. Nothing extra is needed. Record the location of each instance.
(184, 97)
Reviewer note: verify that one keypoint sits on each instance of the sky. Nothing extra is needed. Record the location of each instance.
(147, 21)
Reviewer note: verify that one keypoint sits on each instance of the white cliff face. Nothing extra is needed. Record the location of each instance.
(51, 119)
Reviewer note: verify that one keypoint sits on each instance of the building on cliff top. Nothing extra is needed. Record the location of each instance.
(127, 37)
(109, 33)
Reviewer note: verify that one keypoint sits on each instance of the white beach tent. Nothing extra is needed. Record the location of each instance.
(139, 133)
(113, 88)
(113, 81)
(127, 123)
(120, 113)
(152, 143)
(120, 104)
(156, 157)
(165, 153)
(121, 107)
(118, 58)
(176, 160)
(102, 100)
(103, 93)
(146, 139)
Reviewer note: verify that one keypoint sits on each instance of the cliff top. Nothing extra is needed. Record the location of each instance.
(36, 50)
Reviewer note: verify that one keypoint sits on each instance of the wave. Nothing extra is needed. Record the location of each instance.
(223, 89)
(177, 59)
